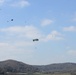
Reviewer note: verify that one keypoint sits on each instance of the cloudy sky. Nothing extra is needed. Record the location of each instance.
(53, 22)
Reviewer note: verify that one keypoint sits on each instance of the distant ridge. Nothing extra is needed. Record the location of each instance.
(58, 67)
(14, 66)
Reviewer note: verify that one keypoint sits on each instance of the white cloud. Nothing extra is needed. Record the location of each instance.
(24, 43)
(54, 35)
(15, 3)
(1, 2)
(67, 47)
(9, 51)
(74, 19)
(31, 32)
(46, 22)
(72, 52)
(24, 31)
(70, 28)
(3, 44)
(21, 3)
(6, 46)
(16, 48)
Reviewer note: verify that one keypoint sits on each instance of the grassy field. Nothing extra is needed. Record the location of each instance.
(39, 74)
(54, 74)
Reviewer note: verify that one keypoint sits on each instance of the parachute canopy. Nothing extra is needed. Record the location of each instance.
(35, 40)
(11, 19)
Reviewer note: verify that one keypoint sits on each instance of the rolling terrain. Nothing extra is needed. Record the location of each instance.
(16, 67)
(13, 66)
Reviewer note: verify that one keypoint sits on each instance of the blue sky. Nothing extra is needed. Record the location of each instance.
(53, 22)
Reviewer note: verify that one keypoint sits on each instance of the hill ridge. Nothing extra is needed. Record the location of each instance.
(20, 67)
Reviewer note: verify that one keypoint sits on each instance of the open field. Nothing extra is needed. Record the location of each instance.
(40, 74)
(54, 74)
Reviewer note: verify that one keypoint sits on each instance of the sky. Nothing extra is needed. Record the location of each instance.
(53, 22)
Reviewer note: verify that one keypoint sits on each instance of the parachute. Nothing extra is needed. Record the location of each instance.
(11, 19)
(35, 40)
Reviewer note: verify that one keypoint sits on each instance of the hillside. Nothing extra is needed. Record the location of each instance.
(61, 67)
(20, 67)
(16, 66)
